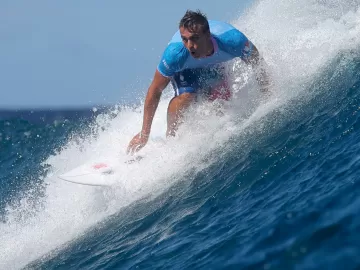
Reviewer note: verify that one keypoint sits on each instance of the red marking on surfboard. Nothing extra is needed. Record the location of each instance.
(100, 165)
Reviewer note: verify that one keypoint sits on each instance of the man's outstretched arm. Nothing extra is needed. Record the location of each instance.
(153, 95)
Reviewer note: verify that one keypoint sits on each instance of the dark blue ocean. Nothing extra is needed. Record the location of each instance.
(275, 186)
(285, 196)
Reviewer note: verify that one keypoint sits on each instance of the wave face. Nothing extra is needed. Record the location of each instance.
(268, 185)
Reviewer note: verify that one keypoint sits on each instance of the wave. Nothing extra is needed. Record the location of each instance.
(312, 49)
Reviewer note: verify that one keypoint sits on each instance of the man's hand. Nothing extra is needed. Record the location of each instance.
(138, 142)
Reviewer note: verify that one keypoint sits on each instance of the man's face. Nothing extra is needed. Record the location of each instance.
(196, 41)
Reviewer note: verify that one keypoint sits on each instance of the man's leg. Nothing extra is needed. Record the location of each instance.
(176, 109)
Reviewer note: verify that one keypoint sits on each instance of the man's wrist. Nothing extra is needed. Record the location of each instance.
(144, 134)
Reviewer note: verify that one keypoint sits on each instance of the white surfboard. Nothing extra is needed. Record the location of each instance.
(108, 171)
(96, 173)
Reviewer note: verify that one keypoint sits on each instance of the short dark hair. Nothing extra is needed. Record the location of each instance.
(193, 19)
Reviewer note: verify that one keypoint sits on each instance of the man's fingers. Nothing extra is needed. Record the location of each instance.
(136, 148)
(135, 145)
(130, 146)
(130, 149)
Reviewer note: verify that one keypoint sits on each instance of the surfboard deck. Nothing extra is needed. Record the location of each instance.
(103, 173)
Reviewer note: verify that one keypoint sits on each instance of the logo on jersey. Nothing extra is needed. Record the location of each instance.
(247, 48)
(165, 64)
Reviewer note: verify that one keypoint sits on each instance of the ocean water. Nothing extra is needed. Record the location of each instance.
(271, 184)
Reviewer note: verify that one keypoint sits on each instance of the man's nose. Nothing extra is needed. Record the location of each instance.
(190, 44)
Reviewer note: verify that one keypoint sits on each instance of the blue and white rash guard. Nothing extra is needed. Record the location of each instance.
(228, 43)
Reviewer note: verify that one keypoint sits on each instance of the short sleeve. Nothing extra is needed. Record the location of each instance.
(173, 59)
(236, 43)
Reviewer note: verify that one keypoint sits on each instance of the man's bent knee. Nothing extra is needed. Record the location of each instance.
(177, 107)
(181, 102)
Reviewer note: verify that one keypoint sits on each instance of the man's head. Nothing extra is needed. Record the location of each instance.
(195, 34)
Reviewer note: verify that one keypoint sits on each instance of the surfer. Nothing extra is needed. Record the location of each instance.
(193, 62)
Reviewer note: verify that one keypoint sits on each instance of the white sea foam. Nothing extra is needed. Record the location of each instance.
(296, 38)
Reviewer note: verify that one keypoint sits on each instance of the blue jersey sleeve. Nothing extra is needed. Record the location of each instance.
(235, 43)
(173, 59)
